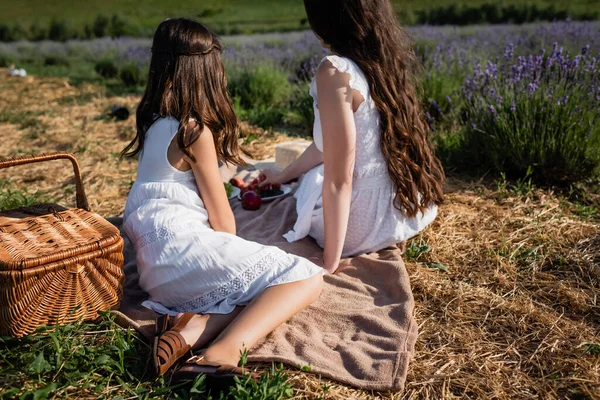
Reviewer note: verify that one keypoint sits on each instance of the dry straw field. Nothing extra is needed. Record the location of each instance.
(516, 315)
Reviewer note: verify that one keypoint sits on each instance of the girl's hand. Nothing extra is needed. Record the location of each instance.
(270, 176)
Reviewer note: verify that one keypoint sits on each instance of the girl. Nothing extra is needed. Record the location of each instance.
(177, 215)
(372, 179)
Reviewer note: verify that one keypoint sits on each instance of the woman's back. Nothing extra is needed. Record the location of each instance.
(374, 221)
(369, 161)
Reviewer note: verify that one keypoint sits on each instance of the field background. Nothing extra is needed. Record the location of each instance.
(506, 280)
(244, 15)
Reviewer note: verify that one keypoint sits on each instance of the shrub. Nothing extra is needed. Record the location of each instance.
(265, 117)
(37, 32)
(260, 86)
(100, 26)
(536, 113)
(56, 61)
(130, 75)
(60, 31)
(118, 26)
(106, 69)
(494, 13)
(4, 61)
(302, 110)
(10, 33)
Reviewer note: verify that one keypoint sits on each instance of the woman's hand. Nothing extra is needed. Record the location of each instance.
(270, 176)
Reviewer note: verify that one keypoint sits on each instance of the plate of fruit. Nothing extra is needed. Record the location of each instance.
(252, 195)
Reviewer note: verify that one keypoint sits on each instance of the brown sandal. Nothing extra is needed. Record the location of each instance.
(169, 345)
(218, 376)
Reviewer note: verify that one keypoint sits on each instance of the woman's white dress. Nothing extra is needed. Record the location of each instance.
(374, 222)
(184, 265)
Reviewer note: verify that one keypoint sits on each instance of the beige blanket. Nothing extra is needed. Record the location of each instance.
(361, 332)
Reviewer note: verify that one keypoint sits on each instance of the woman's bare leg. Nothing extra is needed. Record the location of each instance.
(267, 311)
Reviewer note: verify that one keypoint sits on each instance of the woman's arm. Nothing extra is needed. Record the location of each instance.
(210, 185)
(339, 139)
(307, 161)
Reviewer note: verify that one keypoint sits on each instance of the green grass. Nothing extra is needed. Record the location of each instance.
(102, 360)
(11, 198)
(232, 16)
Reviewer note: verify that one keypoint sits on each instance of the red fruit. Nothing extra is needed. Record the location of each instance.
(262, 177)
(251, 201)
(244, 190)
(276, 186)
(254, 181)
(238, 183)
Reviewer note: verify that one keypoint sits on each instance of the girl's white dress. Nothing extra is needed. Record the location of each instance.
(184, 265)
(374, 222)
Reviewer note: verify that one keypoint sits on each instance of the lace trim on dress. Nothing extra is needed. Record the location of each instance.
(240, 282)
(166, 232)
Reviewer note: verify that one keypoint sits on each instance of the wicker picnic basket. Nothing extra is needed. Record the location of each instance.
(57, 265)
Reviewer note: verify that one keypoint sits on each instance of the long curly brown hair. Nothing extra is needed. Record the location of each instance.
(187, 81)
(366, 31)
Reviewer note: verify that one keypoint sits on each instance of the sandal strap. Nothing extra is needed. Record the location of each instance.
(219, 368)
(182, 322)
(162, 324)
(171, 347)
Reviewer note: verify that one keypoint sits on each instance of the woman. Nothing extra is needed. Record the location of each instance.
(372, 179)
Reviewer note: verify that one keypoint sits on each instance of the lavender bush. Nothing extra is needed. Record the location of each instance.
(537, 112)
(492, 95)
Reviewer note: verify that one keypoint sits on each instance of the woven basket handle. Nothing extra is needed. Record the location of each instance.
(82, 201)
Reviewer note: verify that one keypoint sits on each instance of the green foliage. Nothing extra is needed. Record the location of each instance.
(4, 61)
(495, 12)
(100, 26)
(130, 75)
(10, 32)
(37, 32)
(261, 93)
(106, 69)
(273, 385)
(539, 136)
(56, 60)
(103, 360)
(118, 26)
(60, 31)
(260, 86)
(11, 198)
(415, 249)
(231, 17)
(302, 112)
(592, 349)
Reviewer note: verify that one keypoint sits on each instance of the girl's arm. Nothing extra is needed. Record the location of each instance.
(339, 139)
(209, 182)
(307, 161)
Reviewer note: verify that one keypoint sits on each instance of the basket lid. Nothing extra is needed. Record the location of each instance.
(45, 233)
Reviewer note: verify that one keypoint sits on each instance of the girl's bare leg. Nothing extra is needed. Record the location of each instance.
(267, 311)
(203, 328)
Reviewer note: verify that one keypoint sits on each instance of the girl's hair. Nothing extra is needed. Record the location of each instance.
(366, 31)
(187, 81)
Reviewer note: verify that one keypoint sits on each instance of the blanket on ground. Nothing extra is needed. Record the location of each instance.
(361, 332)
